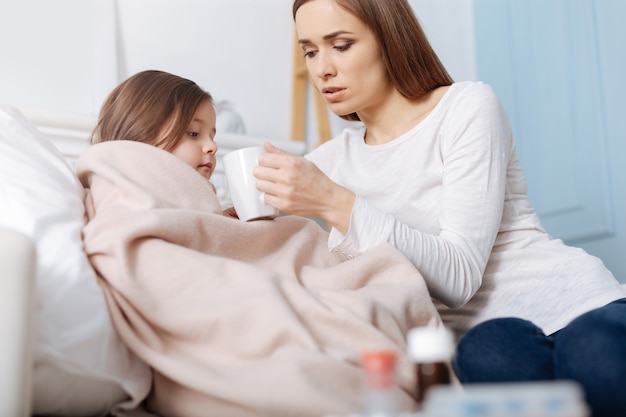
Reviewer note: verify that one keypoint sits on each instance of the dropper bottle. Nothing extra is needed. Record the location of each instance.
(430, 348)
(379, 385)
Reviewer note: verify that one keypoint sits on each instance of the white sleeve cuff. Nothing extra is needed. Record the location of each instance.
(367, 229)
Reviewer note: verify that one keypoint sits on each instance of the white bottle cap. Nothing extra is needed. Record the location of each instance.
(430, 344)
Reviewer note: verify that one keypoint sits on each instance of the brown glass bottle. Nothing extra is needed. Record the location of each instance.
(430, 349)
(429, 374)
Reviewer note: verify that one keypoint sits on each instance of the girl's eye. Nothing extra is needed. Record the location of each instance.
(309, 54)
(193, 134)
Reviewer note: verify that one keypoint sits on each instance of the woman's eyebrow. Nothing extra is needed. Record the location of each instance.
(326, 37)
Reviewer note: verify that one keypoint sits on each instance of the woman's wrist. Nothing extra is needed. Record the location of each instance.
(339, 212)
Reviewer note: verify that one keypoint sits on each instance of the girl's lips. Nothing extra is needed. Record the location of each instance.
(333, 94)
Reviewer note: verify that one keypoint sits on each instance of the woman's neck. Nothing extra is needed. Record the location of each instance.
(397, 116)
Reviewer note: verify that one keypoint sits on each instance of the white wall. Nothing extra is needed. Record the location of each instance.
(450, 29)
(66, 55)
(46, 54)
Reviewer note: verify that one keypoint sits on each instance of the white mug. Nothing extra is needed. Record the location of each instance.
(248, 201)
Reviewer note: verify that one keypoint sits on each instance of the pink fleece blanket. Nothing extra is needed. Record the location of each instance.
(235, 318)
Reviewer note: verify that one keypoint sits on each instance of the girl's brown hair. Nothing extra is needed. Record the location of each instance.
(153, 107)
(411, 62)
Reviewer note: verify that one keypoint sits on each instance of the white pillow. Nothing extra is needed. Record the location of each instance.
(82, 367)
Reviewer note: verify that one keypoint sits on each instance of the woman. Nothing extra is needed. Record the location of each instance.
(432, 169)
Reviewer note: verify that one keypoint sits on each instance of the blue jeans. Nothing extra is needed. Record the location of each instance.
(590, 350)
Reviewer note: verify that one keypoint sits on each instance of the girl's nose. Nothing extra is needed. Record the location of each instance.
(209, 147)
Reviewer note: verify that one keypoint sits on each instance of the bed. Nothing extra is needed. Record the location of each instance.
(63, 353)
(60, 352)
(17, 254)
(69, 134)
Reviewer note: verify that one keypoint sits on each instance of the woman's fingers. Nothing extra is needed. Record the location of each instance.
(271, 148)
(274, 157)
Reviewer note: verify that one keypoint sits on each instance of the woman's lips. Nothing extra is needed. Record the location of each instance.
(333, 94)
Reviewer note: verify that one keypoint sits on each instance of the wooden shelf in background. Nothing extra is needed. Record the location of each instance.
(300, 87)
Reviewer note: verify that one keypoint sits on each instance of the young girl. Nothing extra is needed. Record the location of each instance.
(432, 169)
(217, 307)
(167, 111)
(164, 110)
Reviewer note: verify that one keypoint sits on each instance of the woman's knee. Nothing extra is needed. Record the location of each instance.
(504, 349)
(597, 340)
(592, 351)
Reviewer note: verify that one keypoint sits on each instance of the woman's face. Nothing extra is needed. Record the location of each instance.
(196, 147)
(342, 57)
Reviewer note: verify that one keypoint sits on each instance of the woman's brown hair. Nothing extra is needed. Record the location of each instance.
(413, 66)
(153, 107)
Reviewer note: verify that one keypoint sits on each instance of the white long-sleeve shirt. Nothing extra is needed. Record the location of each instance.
(451, 195)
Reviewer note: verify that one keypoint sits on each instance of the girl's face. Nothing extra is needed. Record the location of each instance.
(342, 57)
(196, 147)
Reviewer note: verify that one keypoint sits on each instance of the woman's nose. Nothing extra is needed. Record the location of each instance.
(325, 67)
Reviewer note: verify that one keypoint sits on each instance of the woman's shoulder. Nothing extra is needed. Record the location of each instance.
(468, 99)
(472, 90)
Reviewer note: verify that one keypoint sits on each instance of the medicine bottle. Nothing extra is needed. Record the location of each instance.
(430, 348)
(379, 384)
